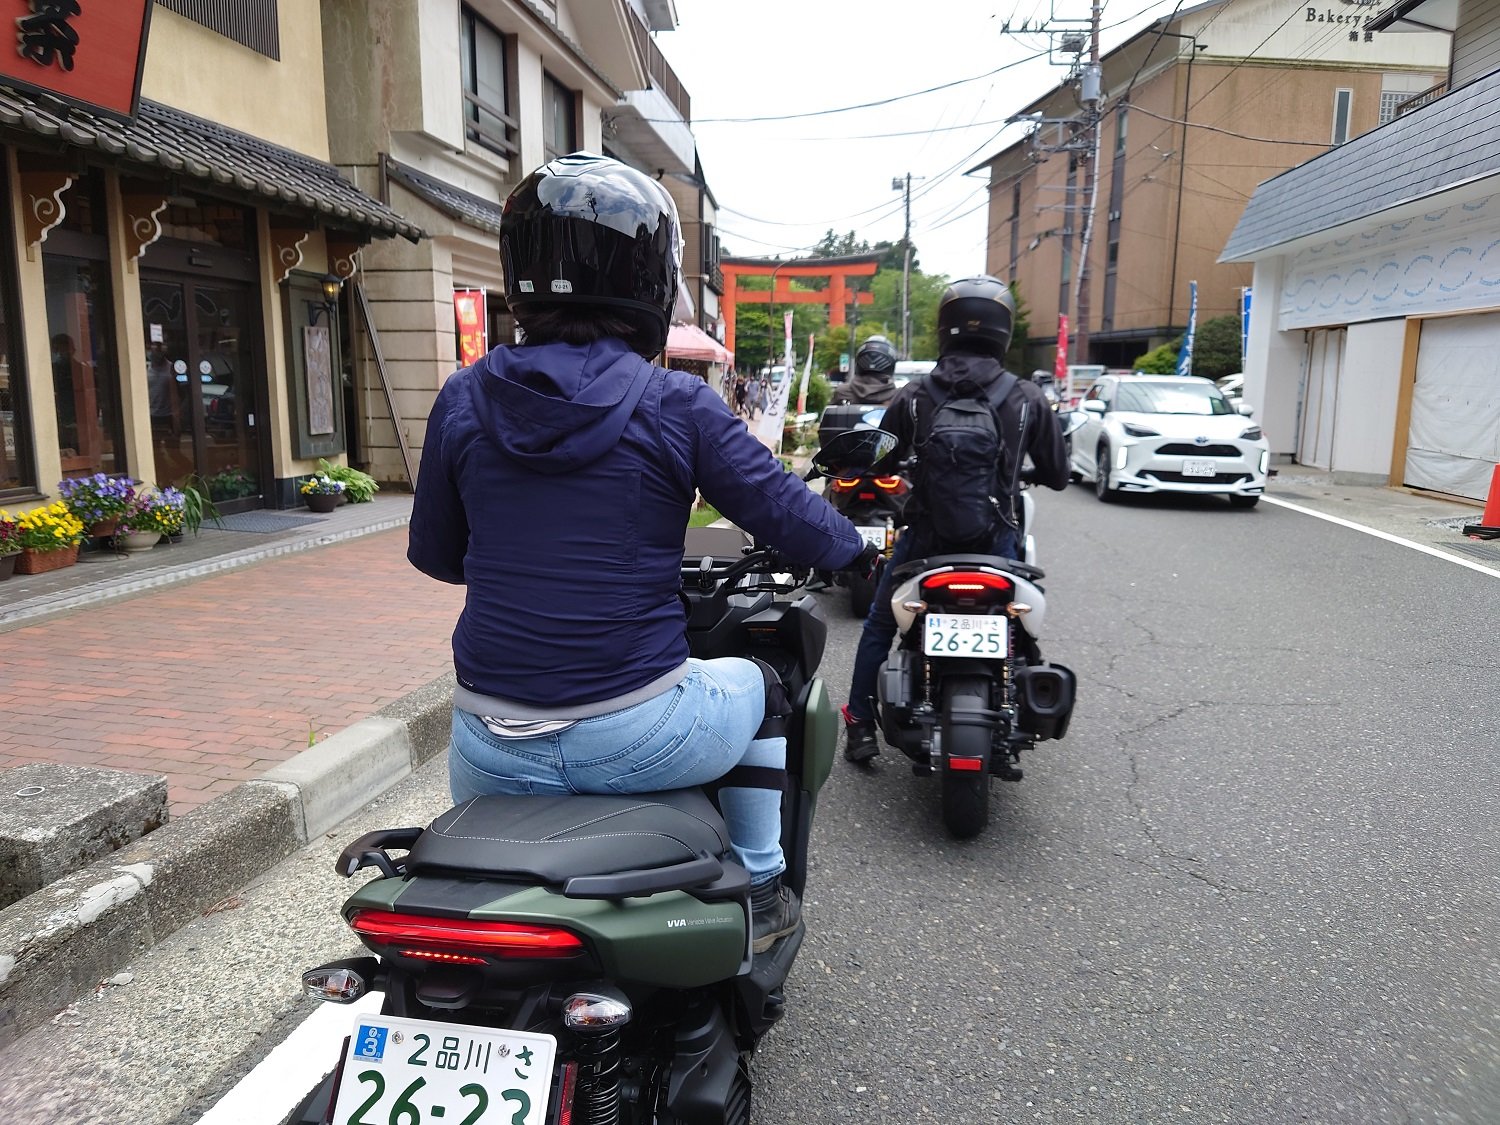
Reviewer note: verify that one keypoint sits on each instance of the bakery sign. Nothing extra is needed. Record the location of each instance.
(87, 52)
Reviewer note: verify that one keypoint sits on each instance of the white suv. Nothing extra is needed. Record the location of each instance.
(1165, 433)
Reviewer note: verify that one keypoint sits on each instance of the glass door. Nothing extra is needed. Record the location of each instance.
(203, 390)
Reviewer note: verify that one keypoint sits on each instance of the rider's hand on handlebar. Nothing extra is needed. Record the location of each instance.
(867, 561)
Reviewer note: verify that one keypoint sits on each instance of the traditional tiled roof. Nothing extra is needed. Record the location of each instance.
(1441, 145)
(466, 207)
(166, 139)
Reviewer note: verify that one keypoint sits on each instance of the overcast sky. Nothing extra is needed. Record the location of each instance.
(781, 184)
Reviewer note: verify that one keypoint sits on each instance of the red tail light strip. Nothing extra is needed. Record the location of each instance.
(965, 580)
(890, 484)
(973, 764)
(423, 936)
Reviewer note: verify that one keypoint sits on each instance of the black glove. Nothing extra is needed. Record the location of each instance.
(868, 561)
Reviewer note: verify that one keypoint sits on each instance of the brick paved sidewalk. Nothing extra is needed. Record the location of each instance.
(215, 681)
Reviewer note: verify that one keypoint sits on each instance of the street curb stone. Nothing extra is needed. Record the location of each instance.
(61, 941)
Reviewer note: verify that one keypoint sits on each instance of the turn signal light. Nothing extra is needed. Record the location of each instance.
(961, 581)
(340, 986)
(440, 939)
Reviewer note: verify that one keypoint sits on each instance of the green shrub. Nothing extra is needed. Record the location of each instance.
(359, 487)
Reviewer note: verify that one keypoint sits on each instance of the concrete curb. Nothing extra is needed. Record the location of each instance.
(62, 941)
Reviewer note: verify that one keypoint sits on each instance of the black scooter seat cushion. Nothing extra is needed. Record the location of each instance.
(552, 839)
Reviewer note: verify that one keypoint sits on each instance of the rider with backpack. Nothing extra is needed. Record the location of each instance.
(971, 425)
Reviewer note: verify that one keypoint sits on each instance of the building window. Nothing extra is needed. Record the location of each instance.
(560, 118)
(486, 66)
(1390, 101)
(1122, 127)
(1342, 101)
(1114, 255)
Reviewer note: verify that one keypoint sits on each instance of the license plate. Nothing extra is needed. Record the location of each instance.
(875, 536)
(403, 1070)
(1199, 468)
(947, 634)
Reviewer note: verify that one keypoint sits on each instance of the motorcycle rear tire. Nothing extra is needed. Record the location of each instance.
(966, 793)
(861, 595)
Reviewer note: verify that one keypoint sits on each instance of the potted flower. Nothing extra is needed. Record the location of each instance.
(154, 513)
(49, 538)
(321, 492)
(10, 545)
(99, 501)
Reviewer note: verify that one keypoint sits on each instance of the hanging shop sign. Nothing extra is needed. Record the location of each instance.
(468, 309)
(80, 51)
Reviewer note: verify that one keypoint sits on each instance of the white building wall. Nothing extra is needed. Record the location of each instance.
(1368, 391)
(1273, 363)
(1476, 43)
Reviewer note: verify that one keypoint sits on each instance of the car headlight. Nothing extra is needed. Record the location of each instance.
(1252, 434)
(1139, 431)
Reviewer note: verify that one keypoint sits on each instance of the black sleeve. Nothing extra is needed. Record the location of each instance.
(1049, 453)
(897, 419)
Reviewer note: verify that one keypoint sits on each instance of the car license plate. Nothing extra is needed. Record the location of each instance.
(875, 536)
(1199, 468)
(405, 1070)
(946, 634)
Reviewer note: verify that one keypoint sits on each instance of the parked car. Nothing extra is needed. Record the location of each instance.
(1164, 433)
(1233, 387)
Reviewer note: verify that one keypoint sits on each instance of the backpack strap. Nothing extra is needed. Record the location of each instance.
(995, 395)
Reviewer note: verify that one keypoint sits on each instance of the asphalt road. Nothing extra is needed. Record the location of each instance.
(1256, 883)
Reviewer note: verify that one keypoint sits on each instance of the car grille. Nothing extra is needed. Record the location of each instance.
(1187, 449)
(1183, 478)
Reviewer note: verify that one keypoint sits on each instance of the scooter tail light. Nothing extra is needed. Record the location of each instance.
(961, 581)
(890, 484)
(840, 484)
(462, 941)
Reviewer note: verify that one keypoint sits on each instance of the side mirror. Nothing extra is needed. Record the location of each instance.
(854, 453)
(1244, 408)
(1093, 406)
(1074, 422)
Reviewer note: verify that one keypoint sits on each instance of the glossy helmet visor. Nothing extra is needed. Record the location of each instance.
(588, 230)
(976, 315)
(876, 356)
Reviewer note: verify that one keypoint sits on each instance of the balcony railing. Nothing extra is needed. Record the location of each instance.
(1422, 99)
(663, 77)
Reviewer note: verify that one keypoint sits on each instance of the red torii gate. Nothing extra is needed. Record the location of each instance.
(835, 295)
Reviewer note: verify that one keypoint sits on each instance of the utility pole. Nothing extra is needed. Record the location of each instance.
(897, 183)
(1090, 94)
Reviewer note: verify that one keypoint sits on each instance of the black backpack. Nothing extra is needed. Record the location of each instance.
(958, 454)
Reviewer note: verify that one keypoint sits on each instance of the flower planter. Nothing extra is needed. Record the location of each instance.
(321, 502)
(104, 528)
(134, 542)
(40, 562)
(7, 566)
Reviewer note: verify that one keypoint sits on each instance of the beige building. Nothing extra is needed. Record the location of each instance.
(1187, 133)
(441, 107)
(162, 278)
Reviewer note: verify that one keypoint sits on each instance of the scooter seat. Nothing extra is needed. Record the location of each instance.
(935, 562)
(554, 839)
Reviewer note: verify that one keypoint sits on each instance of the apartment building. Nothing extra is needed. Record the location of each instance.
(1198, 110)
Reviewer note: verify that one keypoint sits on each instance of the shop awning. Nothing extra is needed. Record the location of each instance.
(468, 208)
(166, 139)
(688, 341)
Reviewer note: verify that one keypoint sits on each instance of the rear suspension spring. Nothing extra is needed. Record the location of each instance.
(598, 1099)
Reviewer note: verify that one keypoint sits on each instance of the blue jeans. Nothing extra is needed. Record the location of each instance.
(880, 625)
(688, 735)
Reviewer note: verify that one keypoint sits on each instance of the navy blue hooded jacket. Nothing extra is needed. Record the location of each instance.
(556, 483)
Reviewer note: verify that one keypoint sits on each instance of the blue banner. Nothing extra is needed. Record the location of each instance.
(1244, 326)
(1185, 356)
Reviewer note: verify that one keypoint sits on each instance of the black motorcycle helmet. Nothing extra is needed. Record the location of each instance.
(587, 230)
(976, 315)
(876, 356)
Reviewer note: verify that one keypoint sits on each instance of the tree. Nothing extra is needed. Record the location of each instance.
(1015, 358)
(1216, 347)
(756, 334)
(1158, 361)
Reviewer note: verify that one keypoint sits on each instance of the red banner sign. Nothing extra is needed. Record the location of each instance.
(1060, 369)
(468, 308)
(81, 51)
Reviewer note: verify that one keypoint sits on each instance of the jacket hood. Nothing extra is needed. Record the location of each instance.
(956, 369)
(557, 407)
(867, 383)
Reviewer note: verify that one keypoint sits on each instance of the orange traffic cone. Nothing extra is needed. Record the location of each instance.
(1489, 528)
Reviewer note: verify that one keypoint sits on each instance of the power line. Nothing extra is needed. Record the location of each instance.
(1226, 132)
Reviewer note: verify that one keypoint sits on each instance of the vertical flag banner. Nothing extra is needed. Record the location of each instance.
(468, 309)
(1185, 356)
(1060, 368)
(1244, 327)
(806, 375)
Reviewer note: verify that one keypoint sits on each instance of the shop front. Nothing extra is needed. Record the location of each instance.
(172, 274)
